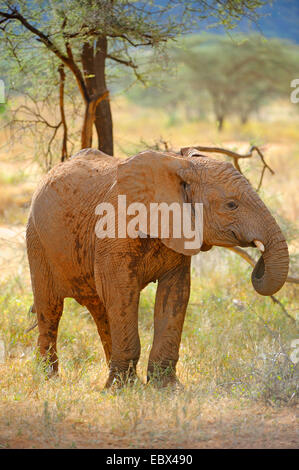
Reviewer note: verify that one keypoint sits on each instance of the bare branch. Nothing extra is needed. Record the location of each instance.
(149, 42)
(128, 63)
(246, 256)
(31, 112)
(49, 151)
(252, 262)
(235, 156)
(68, 61)
(4, 20)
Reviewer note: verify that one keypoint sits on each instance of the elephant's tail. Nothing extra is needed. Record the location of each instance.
(31, 310)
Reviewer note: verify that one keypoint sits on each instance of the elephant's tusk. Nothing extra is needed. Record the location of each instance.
(259, 245)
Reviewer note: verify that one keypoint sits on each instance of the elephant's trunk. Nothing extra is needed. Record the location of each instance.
(271, 270)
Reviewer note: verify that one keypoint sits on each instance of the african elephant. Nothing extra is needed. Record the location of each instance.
(106, 275)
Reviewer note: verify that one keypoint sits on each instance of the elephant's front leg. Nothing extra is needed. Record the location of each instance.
(170, 308)
(121, 304)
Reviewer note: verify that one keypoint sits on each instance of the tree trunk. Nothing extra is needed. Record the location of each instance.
(97, 111)
(103, 118)
(89, 119)
(220, 122)
(104, 127)
(244, 119)
(61, 71)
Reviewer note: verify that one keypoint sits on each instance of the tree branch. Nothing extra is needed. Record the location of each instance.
(246, 256)
(68, 61)
(252, 262)
(149, 42)
(31, 112)
(128, 63)
(235, 156)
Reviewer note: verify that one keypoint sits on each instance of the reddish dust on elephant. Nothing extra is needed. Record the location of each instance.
(106, 275)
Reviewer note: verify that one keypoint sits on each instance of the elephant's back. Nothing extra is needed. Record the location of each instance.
(75, 180)
(63, 206)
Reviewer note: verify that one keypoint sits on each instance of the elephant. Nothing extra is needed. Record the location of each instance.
(106, 275)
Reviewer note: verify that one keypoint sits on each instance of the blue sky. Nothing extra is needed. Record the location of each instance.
(281, 19)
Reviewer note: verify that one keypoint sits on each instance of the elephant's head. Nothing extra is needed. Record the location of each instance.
(233, 213)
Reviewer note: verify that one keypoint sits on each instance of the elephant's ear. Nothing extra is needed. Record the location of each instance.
(154, 178)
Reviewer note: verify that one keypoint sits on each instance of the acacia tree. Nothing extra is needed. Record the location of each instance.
(239, 75)
(82, 37)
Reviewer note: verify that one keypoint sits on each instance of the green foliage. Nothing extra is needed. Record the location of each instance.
(223, 75)
(37, 37)
(68, 24)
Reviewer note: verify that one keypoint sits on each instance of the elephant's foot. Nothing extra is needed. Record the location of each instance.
(171, 383)
(163, 377)
(121, 375)
(49, 366)
(50, 373)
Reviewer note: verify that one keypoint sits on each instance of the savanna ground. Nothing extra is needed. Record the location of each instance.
(241, 388)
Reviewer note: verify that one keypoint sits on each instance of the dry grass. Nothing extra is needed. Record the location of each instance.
(240, 388)
(226, 363)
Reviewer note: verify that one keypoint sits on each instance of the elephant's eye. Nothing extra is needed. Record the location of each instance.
(232, 205)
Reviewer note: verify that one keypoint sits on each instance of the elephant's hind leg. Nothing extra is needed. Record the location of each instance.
(49, 312)
(100, 317)
(47, 301)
